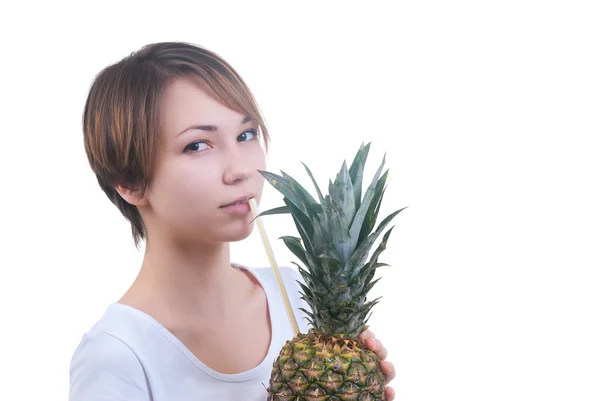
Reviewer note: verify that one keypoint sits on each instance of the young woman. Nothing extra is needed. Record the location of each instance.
(172, 134)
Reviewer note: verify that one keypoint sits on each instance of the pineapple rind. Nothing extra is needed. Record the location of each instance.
(337, 369)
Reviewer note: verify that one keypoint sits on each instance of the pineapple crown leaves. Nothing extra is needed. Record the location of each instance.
(336, 236)
(341, 219)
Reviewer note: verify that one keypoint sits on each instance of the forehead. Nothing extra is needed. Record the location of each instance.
(188, 101)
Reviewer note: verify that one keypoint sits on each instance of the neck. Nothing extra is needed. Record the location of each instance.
(189, 281)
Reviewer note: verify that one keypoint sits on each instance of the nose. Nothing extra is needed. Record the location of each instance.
(237, 169)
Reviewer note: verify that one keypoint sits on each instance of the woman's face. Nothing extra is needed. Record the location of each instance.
(209, 159)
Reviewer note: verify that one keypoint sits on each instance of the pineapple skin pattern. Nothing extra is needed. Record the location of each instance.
(330, 362)
(315, 367)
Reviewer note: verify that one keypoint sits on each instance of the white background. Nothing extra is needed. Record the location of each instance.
(488, 112)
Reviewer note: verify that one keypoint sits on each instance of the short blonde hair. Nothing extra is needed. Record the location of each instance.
(121, 119)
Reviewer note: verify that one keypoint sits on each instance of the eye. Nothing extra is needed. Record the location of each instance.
(196, 146)
(248, 135)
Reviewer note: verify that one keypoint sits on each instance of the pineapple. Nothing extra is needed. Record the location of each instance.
(330, 362)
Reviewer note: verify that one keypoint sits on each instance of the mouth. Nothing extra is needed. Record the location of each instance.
(239, 201)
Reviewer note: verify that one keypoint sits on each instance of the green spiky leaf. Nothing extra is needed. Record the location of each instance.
(290, 191)
(373, 210)
(356, 172)
(275, 210)
(295, 245)
(364, 207)
(335, 238)
(337, 229)
(295, 185)
(361, 253)
(310, 174)
(343, 193)
(373, 261)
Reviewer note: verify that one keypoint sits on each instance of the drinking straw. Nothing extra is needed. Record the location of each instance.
(274, 266)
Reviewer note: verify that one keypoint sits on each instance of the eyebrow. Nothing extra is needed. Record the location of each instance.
(211, 127)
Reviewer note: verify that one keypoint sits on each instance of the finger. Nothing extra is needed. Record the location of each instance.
(366, 334)
(388, 370)
(375, 345)
(390, 394)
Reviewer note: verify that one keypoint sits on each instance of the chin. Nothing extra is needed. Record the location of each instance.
(238, 232)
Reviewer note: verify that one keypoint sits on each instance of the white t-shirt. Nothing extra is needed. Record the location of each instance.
(129, 356)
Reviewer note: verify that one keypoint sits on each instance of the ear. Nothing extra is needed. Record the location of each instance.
(132, 196)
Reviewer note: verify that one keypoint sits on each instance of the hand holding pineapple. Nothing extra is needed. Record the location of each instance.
(386, 367)
(333, 361)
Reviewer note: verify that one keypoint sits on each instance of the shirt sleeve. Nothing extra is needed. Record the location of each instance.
(104, 368)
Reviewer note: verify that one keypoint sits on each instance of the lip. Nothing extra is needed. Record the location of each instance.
(244, 198)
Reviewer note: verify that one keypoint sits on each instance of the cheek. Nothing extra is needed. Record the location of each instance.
(259, 163)
(257, 159)
(182, 185)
